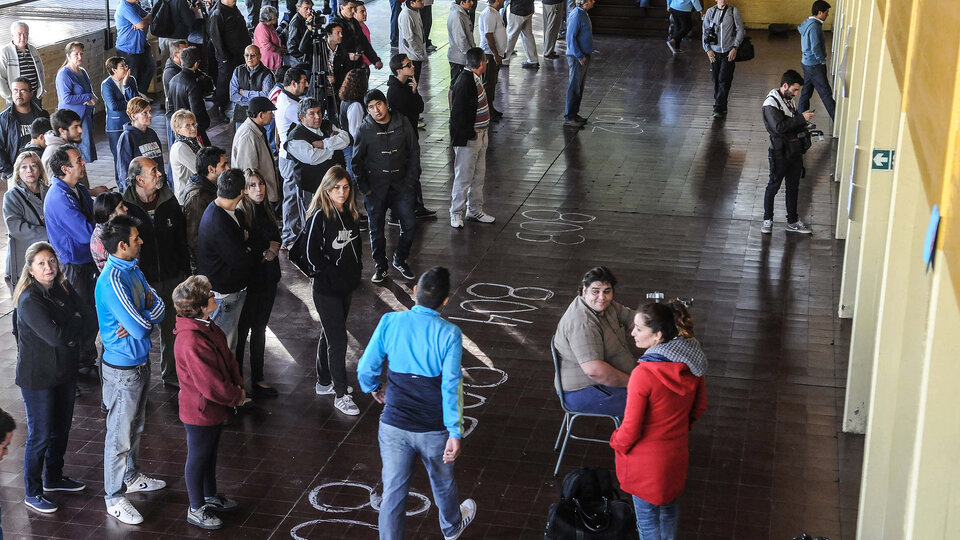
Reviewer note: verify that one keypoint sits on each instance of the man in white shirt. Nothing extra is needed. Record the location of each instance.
(294, 85)
(493, 41)
(313, 146)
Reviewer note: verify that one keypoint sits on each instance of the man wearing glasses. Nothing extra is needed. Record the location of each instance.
(15, 124)
(251, 79)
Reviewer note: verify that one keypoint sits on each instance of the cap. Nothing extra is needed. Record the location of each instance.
(260, 104)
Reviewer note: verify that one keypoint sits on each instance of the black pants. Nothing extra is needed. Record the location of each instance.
(681, 23)
(142, 67)
(83, 278)
(417, 70)
(403, 206)
(721, 71)
(253, 320)
(332, 348)
(490, 81)
(783, 168)
(200, 470)
(815, 77)
(426, 15)
(222, 94)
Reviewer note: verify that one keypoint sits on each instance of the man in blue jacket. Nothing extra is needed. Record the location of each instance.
(681, 21)
(423, 409)
(814, 59)
(127, 309)
(579, 49)
(68, 214)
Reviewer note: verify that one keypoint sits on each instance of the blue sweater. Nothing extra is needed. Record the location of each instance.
(811, 42)
(130, 40)
(115, 102)
(121, 296)
(69, 220)
(424, 390)
(684, 5)
(74, 90)
(579, 34)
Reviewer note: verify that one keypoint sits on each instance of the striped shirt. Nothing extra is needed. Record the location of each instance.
(483, 108)
(28, 68)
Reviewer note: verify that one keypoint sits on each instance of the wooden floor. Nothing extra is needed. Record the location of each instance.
(654, 188)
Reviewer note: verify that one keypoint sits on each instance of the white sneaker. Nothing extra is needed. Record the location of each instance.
(481, 217)
(456, 221)
(767, 226)
(346, 405)
(798, 227)
(125, 512)
(327, 389)
(468, 511)
(142, 482)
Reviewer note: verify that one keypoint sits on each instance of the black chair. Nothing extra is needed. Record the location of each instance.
(566, 428)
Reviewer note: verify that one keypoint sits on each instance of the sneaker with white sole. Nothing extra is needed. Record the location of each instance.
(379, 275)
(142, 482)
(205, 519)
(479, 216)
(65, 483)
(346, 405)
(327, 389)
(403, 268)
(456, 221)
(41, 504)
(220, 503)
(125, 512)
(767, 226)
(798, 227)
(468, 511)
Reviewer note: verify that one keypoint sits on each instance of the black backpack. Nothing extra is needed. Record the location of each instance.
(590, 507)
(162, 25)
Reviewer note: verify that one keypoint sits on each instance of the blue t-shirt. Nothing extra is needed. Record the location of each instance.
(130, 40)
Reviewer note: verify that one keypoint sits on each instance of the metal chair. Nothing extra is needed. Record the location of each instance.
(566, 428)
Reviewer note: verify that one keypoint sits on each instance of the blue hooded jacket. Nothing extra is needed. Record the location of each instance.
(121, 296)
(811, 42)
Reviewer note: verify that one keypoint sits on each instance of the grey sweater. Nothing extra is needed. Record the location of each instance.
(460, 32)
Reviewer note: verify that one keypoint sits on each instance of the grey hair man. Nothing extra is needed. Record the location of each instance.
(20, 59)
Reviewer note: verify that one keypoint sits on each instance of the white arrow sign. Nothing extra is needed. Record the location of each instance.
(879, 159)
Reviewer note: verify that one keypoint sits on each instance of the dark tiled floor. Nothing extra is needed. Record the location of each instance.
(655, 189)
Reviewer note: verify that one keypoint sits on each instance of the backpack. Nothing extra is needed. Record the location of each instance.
(590, 508)
(162, 25)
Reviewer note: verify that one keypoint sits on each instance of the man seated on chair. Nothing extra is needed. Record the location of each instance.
(592, 340)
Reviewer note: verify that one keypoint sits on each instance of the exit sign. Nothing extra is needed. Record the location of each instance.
(881, 160)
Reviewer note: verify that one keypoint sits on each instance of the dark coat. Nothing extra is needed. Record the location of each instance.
(228, 34)
(354, 39)
(223, 254)
(386, 156)
(50, 327)
(187, 89)
(164, 254)
(10, 137)
(463, 109)
(403, 100)
(209, 376)
(263, 230)
(197, 196)
(296, 31)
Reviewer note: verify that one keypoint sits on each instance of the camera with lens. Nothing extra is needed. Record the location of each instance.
(710, 35)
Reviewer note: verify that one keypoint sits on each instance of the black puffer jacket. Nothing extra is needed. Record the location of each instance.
(50, 327)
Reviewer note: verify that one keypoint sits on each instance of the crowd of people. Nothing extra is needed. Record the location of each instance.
(188, 240)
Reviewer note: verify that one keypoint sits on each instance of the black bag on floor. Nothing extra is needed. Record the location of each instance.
(590, 507)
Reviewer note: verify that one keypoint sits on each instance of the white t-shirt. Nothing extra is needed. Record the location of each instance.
(286, 115)
(491, 23)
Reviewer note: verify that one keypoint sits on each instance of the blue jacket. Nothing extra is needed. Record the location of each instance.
(69, 222)
(74, 90)
(135, 143)
(579, 34)
(115, 102)
(425, 390)
(811, 42)
(684, 5)
(130, 40)
(121, 296)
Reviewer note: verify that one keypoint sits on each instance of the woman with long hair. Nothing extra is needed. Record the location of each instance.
(75, 92)
(23, 209)
(334, 253)
(105, 206)
(183, 153)
(51, 322)
(210, 385)
(261, 223)
(351, 108)
(666, 394)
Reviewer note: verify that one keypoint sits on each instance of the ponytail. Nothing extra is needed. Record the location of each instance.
(681, 317)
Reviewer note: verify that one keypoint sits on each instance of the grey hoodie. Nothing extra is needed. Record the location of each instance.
(730, 30)
(460, 32)
(684, 351)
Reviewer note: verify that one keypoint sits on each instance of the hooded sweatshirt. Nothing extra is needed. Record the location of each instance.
(663, 400)
(811, 42)
(135, 143)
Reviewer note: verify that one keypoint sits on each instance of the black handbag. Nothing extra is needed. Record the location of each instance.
(590, 508)
(745, 51)
(298, 253)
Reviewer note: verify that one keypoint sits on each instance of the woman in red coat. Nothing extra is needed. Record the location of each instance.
(210, 385)
(665, 395)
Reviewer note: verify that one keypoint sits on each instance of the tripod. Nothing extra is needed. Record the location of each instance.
(320, 87)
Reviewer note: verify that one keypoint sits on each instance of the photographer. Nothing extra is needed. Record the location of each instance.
(353, 38)
(301, 24)
(722, 33)
(339, 60)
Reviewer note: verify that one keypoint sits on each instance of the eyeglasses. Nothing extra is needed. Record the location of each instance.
(250, 55)
(407, 65)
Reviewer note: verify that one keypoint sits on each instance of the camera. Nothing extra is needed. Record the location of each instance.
(710, 35)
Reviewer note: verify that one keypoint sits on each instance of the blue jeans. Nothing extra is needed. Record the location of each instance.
(227, 315)
(815, 77)
(87, 146)
(578, 78)
(610, 400)
(395, 6)
(49, 417)
(114, 138)
(398, 450)
(125, 396)
(656, 522)
(403, 204)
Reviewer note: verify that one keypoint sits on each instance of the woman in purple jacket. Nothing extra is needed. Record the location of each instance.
(75, 92)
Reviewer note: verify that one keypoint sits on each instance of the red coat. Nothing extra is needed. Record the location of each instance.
(210, 381)
(663, 401)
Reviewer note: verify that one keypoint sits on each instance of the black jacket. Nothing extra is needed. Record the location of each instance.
(187, 89)
(10, 137)
(296, 31)
(263, 230)
(784, 130)
(223, 254)
(50, 327)
(228, 34)
(197, 196)
(354, 40)
(386, 157)
(403, 100)
(463, 109)
(170, 70)
(182, 19)
(164, 254)
(334, 250)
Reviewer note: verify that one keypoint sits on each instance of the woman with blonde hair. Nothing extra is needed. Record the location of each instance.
(183, 153)
(51, 322)
(261, 223)
(138, 139)
(333, 252)
(23, 209)
(75, 92)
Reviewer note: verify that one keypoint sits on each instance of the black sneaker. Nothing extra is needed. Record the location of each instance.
(393, 220)
(404, 270)
(425, 213)
(379, 275)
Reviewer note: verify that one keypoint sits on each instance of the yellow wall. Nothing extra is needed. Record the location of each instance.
(762, 13)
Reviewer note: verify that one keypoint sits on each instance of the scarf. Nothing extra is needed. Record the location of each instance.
(192, 142)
